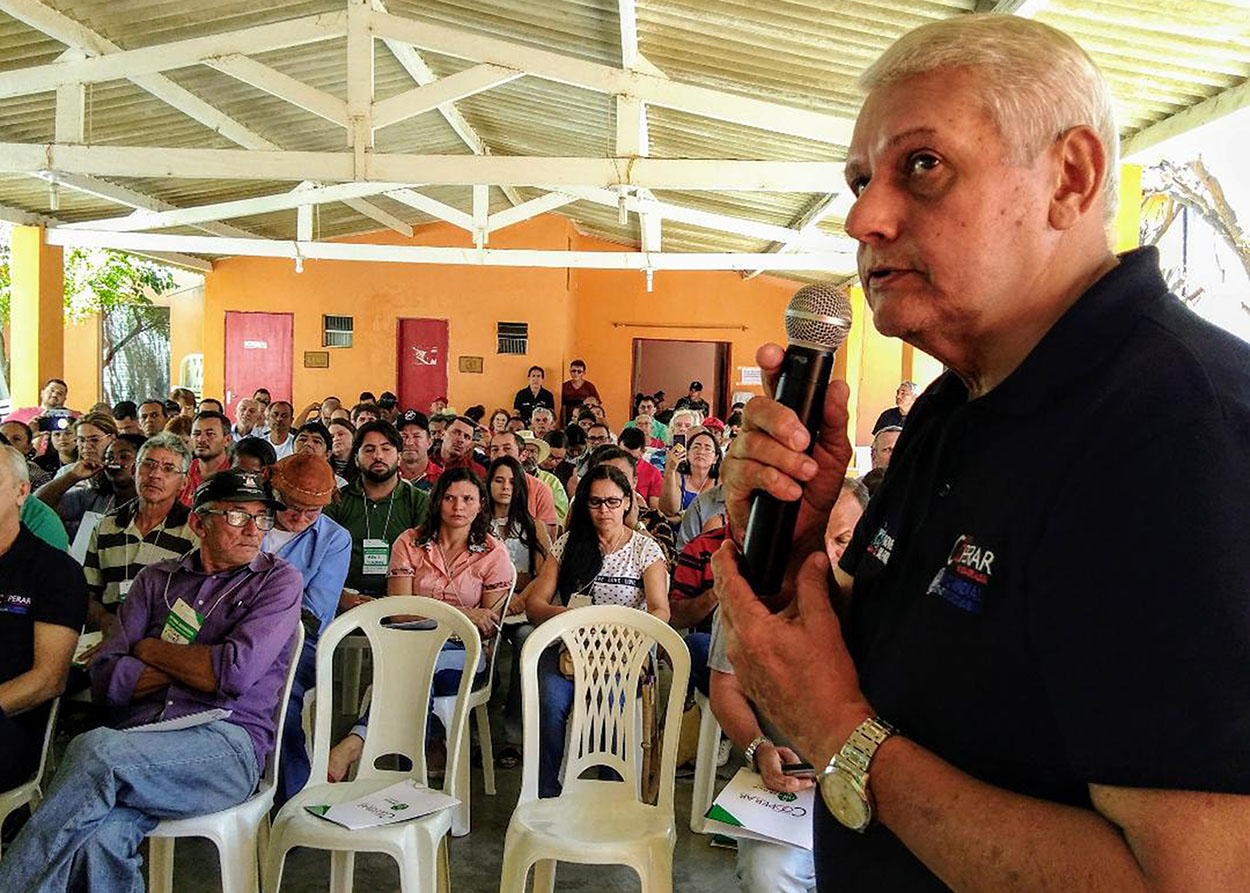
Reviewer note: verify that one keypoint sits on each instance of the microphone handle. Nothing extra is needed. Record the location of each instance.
(769, 536)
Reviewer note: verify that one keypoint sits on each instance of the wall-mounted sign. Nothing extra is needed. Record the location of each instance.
(471, 364)
(750, 375)
(255, 345)
(316, 359)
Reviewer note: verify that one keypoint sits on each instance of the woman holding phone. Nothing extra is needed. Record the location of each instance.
(598, 561)
(454, 558)
(689, 471)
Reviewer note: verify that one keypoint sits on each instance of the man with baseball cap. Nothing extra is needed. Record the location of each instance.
(415, 464)
(211, 631)
(694, 400)
(321, 550)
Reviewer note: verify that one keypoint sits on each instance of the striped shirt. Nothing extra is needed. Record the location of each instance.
(117, 553)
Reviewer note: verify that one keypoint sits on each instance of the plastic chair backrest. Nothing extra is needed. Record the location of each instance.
(494, 641)
(48, 733)
(269, 777)
(610, 646)
(403, 672)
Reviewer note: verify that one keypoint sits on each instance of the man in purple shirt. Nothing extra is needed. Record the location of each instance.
(209, 632)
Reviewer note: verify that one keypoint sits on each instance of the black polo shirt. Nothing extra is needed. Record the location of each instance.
(526, 401)
(38, 584)
(1051, 585)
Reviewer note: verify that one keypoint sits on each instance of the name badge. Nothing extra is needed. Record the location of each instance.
(123, 590)
(182, 625)
(377, 557)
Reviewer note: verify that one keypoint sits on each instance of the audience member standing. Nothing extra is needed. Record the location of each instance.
(894, 417)
(573, 393)
(694, 400)
(51, 404)
(532, 396)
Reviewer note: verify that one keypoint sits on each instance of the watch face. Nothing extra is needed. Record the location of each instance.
(845, 801)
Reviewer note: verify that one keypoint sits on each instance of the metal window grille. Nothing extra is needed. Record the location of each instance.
(513, 337)
(337, 331)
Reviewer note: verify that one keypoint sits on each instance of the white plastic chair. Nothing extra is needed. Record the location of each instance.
(32, 791)
(479, 702)
(704, 765)
(403, 670)
(240, 832)
(593, 821)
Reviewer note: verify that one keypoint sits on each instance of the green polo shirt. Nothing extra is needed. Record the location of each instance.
(386, 519)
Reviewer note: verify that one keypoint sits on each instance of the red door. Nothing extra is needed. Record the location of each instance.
(422, 362)
(258, 355)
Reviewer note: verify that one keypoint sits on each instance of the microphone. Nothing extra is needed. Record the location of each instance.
(817, 321)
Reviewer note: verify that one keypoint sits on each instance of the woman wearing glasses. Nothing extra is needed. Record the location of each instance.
(600, 560)
(688, 472)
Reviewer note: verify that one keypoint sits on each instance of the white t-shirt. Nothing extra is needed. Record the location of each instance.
(620, 579)
(517, 550)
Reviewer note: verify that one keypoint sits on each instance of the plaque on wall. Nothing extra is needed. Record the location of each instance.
(316, 359)
(471, 364)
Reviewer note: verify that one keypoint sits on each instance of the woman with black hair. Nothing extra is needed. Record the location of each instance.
(528, 545)
(452, 557)
(689, 471)
(604, 562)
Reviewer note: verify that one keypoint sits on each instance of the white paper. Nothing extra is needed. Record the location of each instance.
(762, 814)
(78, 549)
(190, 721)
(398, 803)
(86, 642)
(750, 375)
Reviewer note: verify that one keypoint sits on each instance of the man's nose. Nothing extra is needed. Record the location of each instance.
(874, 216)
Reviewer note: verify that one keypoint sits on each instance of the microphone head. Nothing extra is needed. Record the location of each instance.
(819, 317)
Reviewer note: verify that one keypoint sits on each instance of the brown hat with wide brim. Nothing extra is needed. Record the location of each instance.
(303, 478)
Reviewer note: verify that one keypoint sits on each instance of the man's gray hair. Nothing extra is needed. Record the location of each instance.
(856, 488)
(1035, 81)
(543, 411)
(17, 464)
(888, 429)
(165, 440)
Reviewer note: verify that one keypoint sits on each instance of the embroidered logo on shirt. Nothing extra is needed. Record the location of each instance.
(882, 545)
(12, 603)
(967, 572)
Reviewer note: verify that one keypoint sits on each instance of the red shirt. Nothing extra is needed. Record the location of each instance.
(650, 481)
(692, 576)
(195, 477)
(465, 461)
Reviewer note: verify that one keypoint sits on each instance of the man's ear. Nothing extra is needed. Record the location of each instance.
(196, 521)
(1081, 171)
(23, 493)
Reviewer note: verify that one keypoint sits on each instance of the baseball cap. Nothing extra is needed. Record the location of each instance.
(235, 485)
(412, 417)
(696, 386)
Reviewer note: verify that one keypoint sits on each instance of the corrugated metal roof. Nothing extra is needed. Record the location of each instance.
(1160, 58)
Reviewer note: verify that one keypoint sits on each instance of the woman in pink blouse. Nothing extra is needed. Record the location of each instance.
(454, 558)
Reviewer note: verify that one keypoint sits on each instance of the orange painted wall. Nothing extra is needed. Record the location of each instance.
(186, 328)
(82, 362)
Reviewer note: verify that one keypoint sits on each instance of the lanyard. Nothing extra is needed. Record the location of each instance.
(244, 578)
(390, 504)
(143, 542)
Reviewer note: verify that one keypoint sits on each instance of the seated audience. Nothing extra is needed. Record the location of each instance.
(647, 520)
(375, 508)
(321, 551)
(126, 416)
(883, 446)
(154, 527)
(704, 514)
(415, 464)
(211, 404)
(62, 450)
(17, 435)
(534, 452)
(314, 439)
(542, 421)
(694, 400)
(250, 416)
(113, 787)
(557, 458)
(210, 438)
(185, 398)
(457, 447)
(342, 459)
(452, 557)
(498, 421)
(528, 546)
(280, 435)
(689, 472)
(541, 504)
(152, 417)
(101, 479)
(650, 481)
(872, 480)
(39, 518)
(181, 426)
(365, 412)
(252, 454)
(42, 608)
(601, 558)
(645, 421)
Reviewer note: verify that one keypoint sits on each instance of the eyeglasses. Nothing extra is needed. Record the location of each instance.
(93, 440)
(239, 518)
(611, 502)
(151, 466)
(302, 512)
(593, 439)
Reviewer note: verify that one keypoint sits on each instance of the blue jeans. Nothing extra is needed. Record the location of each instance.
(699, 644)
(555, 704)
(295, 763)
(111, 790)
(774, 868)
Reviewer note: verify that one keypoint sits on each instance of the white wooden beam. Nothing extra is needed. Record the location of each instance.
(359, 86)
(805, 227)
(229, 164)
(168, 56)
(1026, 9)
(628, 13)
(275, 83)
(19, 217)
(140, 201)
(455, 86)
(1234, 100)
(433, 207)
(716, 104)
(304, 223)
(76, 35)
(381, 215)
(481, 211)
(526, 210)
(827, 262)
(69, 125)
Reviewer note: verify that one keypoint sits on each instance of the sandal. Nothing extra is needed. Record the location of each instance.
(508, 758)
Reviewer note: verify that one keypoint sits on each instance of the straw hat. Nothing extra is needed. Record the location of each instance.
(304, 478)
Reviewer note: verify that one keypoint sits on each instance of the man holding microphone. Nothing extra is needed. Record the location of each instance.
(1029, 672)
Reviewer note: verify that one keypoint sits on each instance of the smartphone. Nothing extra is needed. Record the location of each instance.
(797, 769)
(54, 420)
(679, 440)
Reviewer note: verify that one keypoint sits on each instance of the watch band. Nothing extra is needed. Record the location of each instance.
(860, 748)
(749, 753)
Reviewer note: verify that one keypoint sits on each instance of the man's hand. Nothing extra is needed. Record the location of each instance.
(150, 681)
(349, 600)
(796, 669)
(769, 759)
(768, 454)
(84, 469)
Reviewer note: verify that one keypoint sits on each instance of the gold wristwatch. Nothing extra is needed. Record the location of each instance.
(844, 782)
